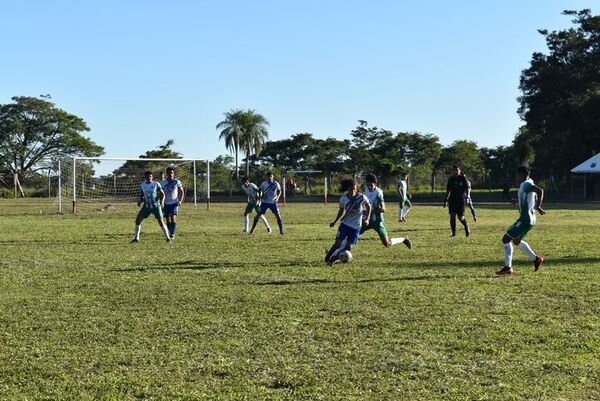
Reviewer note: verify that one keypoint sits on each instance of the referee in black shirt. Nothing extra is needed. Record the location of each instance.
(458, 190)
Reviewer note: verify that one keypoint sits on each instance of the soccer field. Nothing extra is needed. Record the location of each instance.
(219, 315)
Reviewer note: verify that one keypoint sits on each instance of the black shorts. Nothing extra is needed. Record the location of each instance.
(456, 206)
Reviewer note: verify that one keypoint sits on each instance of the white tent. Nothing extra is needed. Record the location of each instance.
(590, 166)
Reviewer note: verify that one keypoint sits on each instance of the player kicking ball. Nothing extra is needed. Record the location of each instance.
(405, 204)
(352, 205)
(153, 198)
(530, 200)
(375, 196)
(252, 192)
(270, 191)
(174, 196)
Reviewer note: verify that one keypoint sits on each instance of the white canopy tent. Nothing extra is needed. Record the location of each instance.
(590, 166)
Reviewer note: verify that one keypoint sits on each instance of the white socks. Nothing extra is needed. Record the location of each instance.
(165, 231)
(527, 250)
(246, 221)
(508, 254)
(403, 212)
(396, 241)
(264, 219)
(137, 231)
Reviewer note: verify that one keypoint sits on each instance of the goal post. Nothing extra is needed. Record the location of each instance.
(101, 182)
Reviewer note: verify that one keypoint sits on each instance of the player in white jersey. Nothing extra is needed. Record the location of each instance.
(252, 193)
(530, 201)
(153, 198)
(405, 204)
(375, 196)
(354, 207)
(174, 196)
(270, 191)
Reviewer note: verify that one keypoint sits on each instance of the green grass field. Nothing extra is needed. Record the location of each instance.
(218, 315)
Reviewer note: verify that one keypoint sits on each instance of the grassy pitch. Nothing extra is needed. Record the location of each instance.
(219, 315)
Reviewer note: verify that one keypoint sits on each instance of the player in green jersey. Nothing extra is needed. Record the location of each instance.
(153, 199)
(530, 201)
(375, 196)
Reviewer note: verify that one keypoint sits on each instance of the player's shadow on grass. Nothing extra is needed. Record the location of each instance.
(185, 265)
(360, 281)
(520, 263)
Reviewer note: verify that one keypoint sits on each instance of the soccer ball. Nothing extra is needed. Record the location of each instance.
(345, 256)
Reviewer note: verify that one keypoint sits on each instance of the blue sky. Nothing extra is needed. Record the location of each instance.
(141, 72)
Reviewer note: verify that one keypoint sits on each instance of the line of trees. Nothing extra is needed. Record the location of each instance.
(559, 104)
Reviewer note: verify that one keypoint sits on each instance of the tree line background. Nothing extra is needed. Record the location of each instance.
(559, 106)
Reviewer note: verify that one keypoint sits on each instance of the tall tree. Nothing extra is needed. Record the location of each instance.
(255, 133)
(560, 100)
(232, 129)
(32, 129)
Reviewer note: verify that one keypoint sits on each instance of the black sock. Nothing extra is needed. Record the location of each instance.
(453, 226)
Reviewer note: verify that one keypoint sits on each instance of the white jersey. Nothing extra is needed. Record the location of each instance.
(402, 188)
(354, 210)
(270, 192)
(251, 192)
(527, 200)
(171, 189)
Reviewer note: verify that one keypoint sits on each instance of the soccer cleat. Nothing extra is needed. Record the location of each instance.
(134, 241)
(407, 243)
(269, 230)
(467, 232)
(172, 237)
(168, 239)
(505, 271)
(244, 231)
(537, 264)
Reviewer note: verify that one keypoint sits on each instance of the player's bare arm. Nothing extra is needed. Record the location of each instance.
(181, 195)
(540, 199)
(339, 215)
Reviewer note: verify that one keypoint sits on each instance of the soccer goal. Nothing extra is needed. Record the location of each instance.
(101, 183)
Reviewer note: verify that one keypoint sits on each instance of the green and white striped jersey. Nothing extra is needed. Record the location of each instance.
(527, 200)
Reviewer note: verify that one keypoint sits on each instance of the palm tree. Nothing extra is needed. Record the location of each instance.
(254, 135)
(232, 128)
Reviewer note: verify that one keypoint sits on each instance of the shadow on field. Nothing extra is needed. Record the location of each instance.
(362, 281)
(186, 265)
(519, 261)
(486, 265)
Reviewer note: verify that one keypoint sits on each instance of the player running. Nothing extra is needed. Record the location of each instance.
(458, 190)
(375, 196)
(153, 198)
(252, 192)
(352, 203)
(270, 191)
(174, 196)
(530, 200)
(405, 204)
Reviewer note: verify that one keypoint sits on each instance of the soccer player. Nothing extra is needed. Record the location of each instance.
(153, 198)
(405, 204)
(375, 196)
(530, 200)
(457, 190)
(270, 191)
(174, 196)
(352, 204)
(252, 192)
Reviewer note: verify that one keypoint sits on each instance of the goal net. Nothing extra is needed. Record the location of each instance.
(100, 184)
